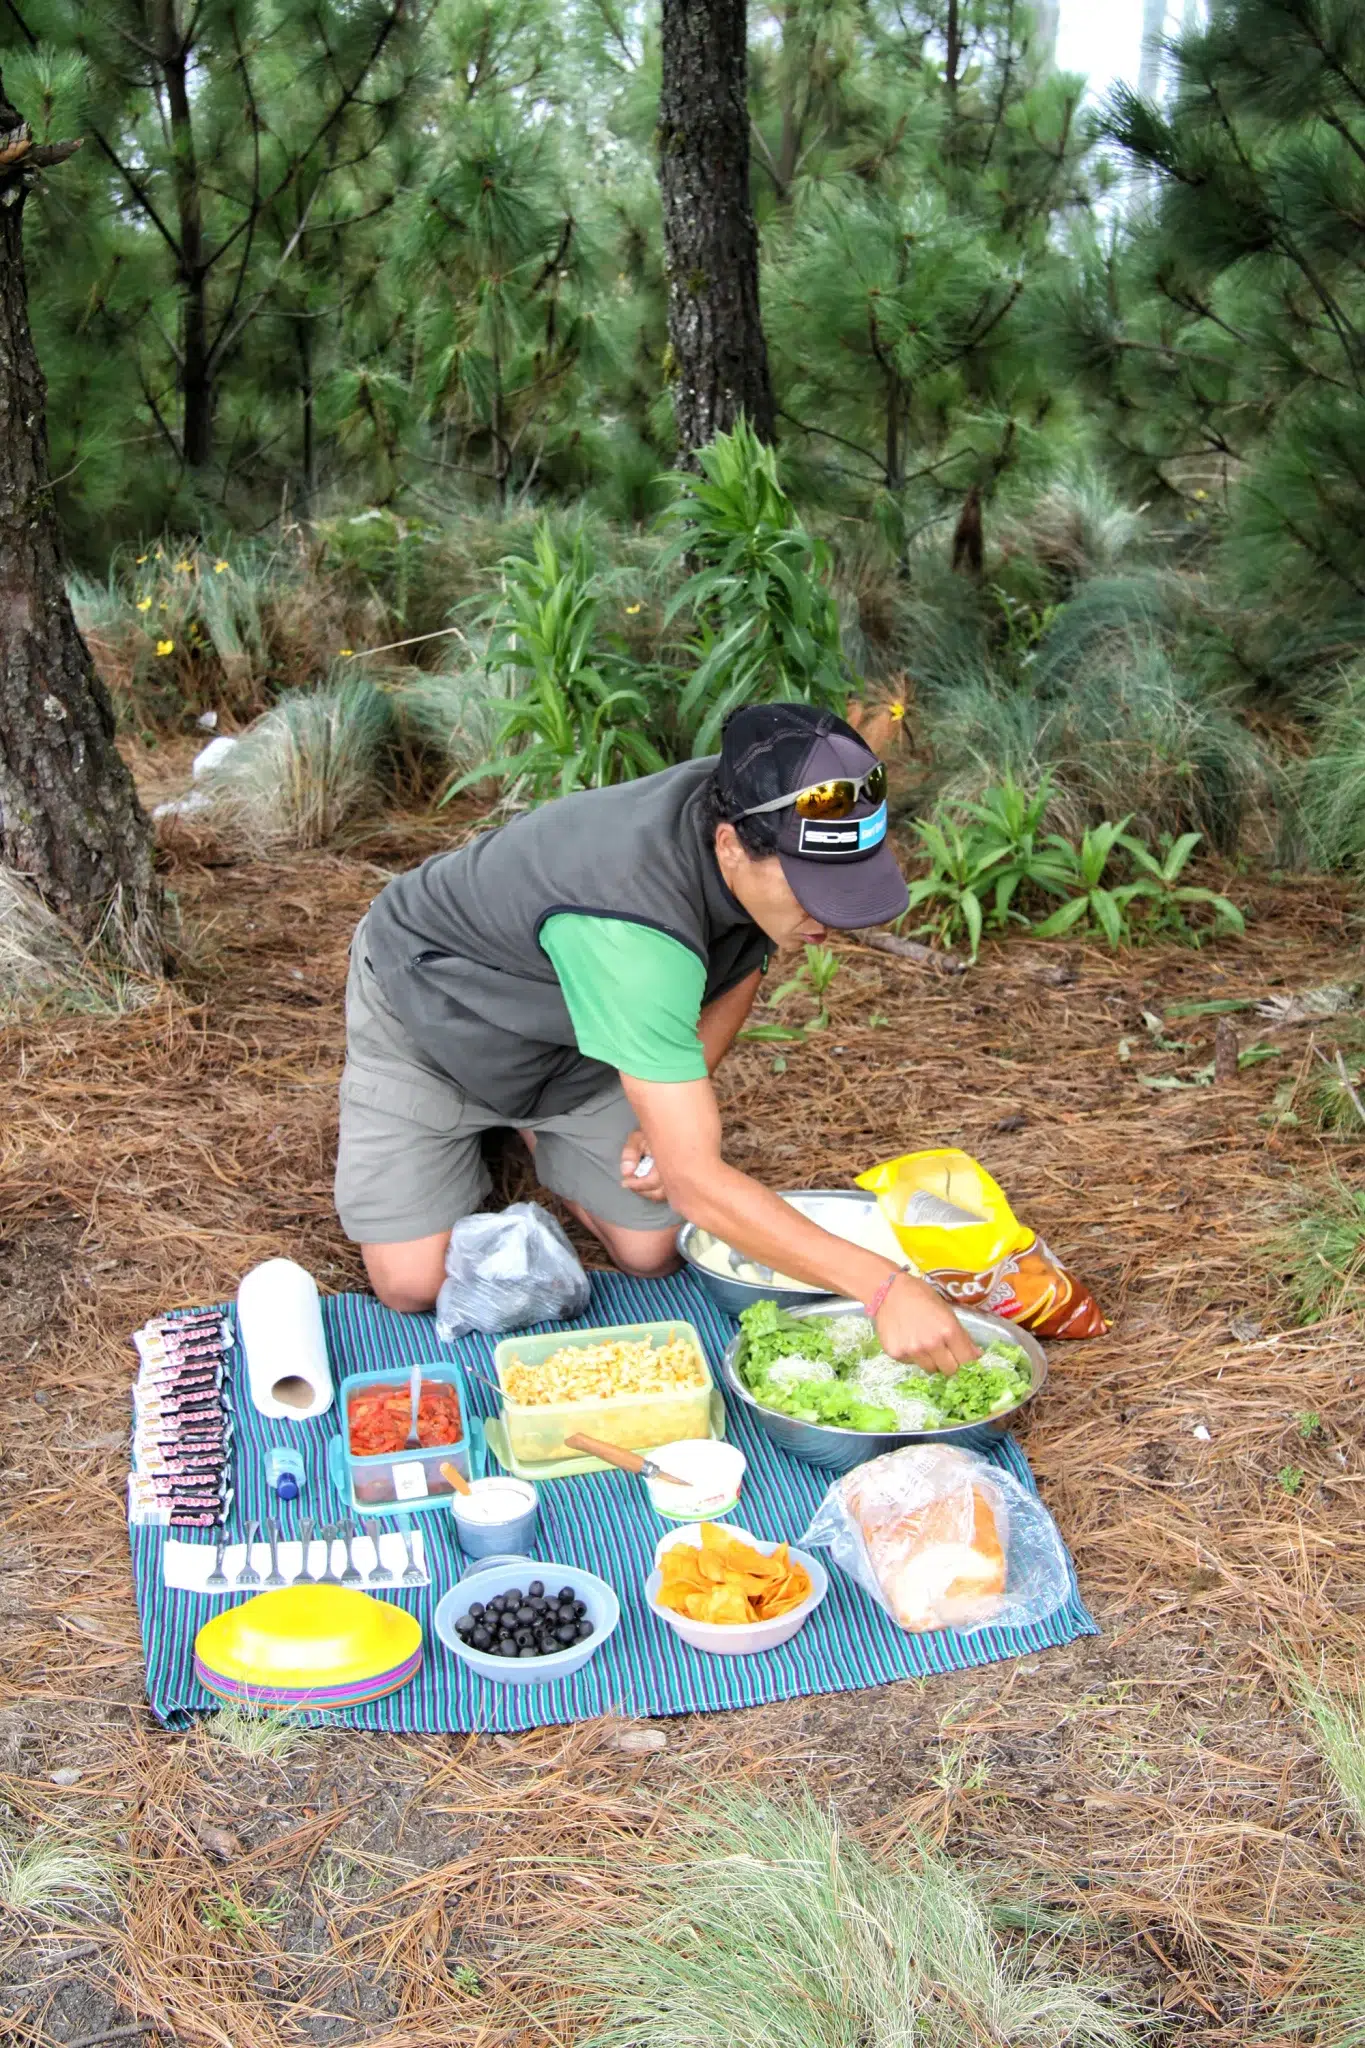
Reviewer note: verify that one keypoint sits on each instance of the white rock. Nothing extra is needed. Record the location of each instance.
(1203, 1433)
(207, 721)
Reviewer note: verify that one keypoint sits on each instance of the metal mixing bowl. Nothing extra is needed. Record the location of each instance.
(839, 1450)
(733, 1294)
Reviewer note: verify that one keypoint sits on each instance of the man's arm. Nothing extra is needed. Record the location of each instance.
(681, 1125)
(722, 1021)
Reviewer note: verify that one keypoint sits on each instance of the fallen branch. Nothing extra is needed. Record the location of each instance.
(114, 2034)
(909, 949)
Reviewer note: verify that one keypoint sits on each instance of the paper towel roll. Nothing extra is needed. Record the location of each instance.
(279, 1321)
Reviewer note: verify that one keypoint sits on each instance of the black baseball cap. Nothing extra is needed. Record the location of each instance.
(841, 870)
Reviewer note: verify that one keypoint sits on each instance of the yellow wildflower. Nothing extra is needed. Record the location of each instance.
(897, 711)
(631, 610)
(182, 567)
(165, 647)
(218, 568)
(1201, 495)
(140, 560)
(345, 652)
(144, 604)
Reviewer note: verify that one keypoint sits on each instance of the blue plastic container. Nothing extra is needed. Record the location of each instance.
(604, 1612)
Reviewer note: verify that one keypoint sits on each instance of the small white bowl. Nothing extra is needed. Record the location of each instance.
(735, 1638)
(715, 1472)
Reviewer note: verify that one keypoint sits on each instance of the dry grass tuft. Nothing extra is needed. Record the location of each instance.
(43, 964)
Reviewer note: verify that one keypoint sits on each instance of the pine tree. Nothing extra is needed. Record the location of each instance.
(69, 815)
(1233, 327)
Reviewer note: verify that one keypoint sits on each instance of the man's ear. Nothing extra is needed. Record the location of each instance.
(727, 840)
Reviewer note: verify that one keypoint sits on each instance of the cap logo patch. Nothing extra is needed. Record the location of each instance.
(827, 838)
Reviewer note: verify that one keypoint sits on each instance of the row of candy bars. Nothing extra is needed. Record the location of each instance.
(182, 1436)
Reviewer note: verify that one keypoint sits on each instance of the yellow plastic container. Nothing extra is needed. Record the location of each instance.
(635, 1422)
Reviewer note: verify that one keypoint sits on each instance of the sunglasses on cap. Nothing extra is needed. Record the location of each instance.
(834, 799)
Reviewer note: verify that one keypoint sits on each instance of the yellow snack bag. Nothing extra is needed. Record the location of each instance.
(954, 1223)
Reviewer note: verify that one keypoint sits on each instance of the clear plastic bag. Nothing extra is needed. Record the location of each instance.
(942, 1538)
(505, 1271)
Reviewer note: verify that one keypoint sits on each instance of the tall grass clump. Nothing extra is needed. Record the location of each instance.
(317, 760)
(50, 1877)
(1336, 1718)
(1320, 1253)
(773, 1929)
(261, 1734)
(1327, 2005)
(43, 963)
(1326, 826)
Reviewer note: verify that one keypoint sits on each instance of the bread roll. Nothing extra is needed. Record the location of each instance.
(932, 1539)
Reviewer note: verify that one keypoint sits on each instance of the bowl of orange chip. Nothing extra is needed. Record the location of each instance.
(731, 1593)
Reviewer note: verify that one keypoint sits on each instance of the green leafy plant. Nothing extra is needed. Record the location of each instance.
(1159, 883)
(963, 871)
(577, 717)
(815, 976)
(1291, 1479)
(768, 621)
(1080, 874)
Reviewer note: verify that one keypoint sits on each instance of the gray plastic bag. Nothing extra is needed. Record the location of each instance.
(505, 1271)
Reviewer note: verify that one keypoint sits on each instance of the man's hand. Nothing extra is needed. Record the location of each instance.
(915, 1323)
(650, 1184)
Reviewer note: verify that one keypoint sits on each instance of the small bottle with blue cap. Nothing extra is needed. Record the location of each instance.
(284, 1473)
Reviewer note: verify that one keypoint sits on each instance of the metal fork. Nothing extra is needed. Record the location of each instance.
(248, 1575)
(381, 1575)
(413, 1575)
(303, 1577)
(329, 1535)
(217, 1578)
(351, 1575)
(274, 1577)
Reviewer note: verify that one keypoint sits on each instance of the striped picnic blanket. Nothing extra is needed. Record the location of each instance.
(600, 1522)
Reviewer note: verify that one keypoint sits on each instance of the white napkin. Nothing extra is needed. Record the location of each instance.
(186, 1566)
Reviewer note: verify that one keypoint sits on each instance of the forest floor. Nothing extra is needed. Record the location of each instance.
(1154, 1782)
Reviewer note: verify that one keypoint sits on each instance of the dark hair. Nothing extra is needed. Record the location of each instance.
(758, 835)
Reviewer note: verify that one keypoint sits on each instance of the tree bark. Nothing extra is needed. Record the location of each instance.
(69, 815)
(720, 358)
(196, 366)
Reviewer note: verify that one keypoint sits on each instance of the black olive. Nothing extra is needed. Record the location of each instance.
(476, 1609)
(566, 1633)
(529, 1650)
(584, 1630)
(512, 1597)
(465, 1625)
(525, 1614)
(495, 1604)
(507, 1648)
(481, 1639)
(537, 1589)
(579, 1608)
(546, 1645)
(565, 1593)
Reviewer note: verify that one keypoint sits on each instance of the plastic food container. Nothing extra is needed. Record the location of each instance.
(734, 1638)
(636, 1422)
(401, 1479)
(715, 1471)
(496, 1518)
(604, 1612)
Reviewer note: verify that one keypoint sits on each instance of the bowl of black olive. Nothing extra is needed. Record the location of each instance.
(527, 1624)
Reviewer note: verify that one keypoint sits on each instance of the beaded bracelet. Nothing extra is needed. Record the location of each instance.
(873, 1308)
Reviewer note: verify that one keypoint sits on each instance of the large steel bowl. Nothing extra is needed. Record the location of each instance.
(839, 1450)
(732, 1294)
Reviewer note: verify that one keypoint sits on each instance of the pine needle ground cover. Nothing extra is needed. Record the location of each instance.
(1149, 1809)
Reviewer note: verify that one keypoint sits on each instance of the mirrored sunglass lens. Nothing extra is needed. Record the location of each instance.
(875, 784)
(827, 800)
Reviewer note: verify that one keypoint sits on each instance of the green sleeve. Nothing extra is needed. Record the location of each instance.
(634, 995)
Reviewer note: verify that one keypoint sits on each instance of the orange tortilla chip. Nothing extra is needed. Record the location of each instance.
(728, 1582)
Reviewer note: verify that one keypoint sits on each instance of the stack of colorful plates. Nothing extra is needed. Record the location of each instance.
(308, 1646)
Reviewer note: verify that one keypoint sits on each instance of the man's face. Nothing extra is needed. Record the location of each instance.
(760, 885)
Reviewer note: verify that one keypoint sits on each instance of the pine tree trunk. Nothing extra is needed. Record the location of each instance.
(196, 367)
(720, 358)
(69, 815)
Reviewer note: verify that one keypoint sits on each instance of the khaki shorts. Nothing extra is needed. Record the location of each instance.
(409, 1161)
